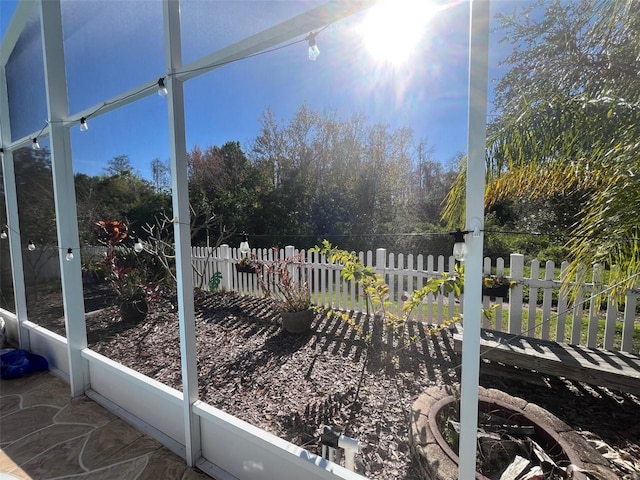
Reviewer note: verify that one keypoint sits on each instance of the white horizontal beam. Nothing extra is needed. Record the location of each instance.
(283, 32)
(17, 24)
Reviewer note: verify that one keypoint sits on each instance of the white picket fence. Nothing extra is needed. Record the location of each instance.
(547, 315)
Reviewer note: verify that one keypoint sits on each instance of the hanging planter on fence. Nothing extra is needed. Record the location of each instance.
(495, 287)
(245, 268)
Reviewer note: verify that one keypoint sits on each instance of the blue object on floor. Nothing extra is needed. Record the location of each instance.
(17, 363)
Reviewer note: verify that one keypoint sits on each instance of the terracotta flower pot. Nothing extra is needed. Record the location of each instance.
(297, 322)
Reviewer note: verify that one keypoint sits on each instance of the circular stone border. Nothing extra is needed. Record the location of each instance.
(542, 430)
(437, 464)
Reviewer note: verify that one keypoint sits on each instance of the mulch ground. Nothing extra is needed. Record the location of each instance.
(295, 385)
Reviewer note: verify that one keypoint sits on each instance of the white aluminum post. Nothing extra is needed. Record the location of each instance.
(477, 132)
(64, 190)
(182, 230)
(13, 230)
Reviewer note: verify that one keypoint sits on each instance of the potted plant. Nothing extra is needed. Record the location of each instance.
(127, 279)
(246, 265)
(296, 311)
(133, 293)
(283, 282)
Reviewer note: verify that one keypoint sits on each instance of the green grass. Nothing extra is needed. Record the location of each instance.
(537, 322)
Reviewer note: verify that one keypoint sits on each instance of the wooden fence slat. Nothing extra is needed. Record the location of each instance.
(612, 315)
(515, 295)
(562, 305)
(533, 300)
(592, 329)
(629, 321)
(547, 300)
(322, 278)
(440, 310)
(499, 301)
(396, 283)
(418, 282)
(330, 288)
(578, 309)
(408, 277)
(610, 323)
(452, 300)
(430, 300)
(486, 301)
(392, 275)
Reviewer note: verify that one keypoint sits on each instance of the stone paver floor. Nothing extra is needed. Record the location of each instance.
(46, 435)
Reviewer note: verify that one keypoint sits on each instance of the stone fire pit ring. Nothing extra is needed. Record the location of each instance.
(437, 461)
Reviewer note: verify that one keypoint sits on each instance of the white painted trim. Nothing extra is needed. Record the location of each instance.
(139, 424)
(51, 346)
(151, 385)
(213, 470)
(150, 401)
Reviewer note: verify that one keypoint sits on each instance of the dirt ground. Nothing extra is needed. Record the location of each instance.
(294, 385)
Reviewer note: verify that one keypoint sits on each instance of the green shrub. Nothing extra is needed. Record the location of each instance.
(555, 253)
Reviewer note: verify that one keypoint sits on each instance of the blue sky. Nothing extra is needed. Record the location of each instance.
(428, 93)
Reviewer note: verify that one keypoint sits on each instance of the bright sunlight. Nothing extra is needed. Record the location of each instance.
(393, 28)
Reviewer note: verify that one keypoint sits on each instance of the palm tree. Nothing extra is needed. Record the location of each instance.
(568, 125)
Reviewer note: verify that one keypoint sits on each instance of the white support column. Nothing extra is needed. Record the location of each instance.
(13, 232)
(477, 132)
(11, 205)
(182, 231)
(64, 189)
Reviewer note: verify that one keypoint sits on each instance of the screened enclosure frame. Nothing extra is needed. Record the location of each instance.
(83, 366)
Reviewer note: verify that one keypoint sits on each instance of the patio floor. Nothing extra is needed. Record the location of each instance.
(45, 435)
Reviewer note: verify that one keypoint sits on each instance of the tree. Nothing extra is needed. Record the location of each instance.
(333, 177)
(161, 175)
(119, 165)
(568, 125)
(34, 186)
(224, 183)
(36, 210)
(120, 195)
(284, 153)
(88, 205)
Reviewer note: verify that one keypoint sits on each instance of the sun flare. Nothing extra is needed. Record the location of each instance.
(393, 28)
